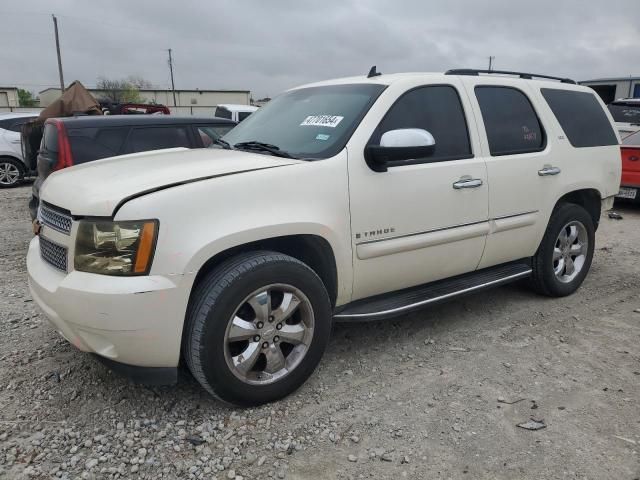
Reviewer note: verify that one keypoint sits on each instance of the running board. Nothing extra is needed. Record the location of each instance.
(403, 301)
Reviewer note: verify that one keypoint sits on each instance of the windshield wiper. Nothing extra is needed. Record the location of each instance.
(263, 147)
(223, 143)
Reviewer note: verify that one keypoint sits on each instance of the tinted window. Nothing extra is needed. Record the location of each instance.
(50, 137)
(581, 117)
(156, 138)
(222, 112)
(88, 144)
(243, 115)
(510, 121)
(625, 113)
(209, 133)
(14, 124)
(436, 109)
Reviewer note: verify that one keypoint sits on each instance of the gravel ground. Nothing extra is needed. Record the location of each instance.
(436, 394)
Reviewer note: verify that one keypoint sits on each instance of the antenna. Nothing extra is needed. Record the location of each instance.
(373, 72)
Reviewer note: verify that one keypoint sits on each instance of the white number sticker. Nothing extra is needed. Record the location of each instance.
(331, 121)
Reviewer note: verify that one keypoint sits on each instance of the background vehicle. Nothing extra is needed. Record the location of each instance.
(351, 199)
(12, 166)
(630, 184)
(237, 113)
(626, 114)
(110, 108)
(74, 140)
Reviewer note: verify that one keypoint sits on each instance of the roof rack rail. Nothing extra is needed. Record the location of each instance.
(528, 76)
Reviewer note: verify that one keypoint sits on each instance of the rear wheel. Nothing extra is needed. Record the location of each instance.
(564, 257)
(257, 327)
(11, 172)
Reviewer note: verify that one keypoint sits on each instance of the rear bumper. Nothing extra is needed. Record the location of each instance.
(135, 321)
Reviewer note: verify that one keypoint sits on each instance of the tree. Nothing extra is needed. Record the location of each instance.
(122, 91)
(26, 98)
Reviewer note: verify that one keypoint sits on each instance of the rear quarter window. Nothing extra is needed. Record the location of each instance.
(581, 117)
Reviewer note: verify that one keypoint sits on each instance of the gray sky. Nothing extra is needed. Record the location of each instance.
(269, 46)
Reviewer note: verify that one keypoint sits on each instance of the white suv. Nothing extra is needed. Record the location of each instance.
(12, 166)
(351, 199)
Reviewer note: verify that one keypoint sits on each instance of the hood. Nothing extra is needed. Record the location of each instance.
(98, 188)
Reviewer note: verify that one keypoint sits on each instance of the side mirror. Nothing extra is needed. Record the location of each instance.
(399, 146)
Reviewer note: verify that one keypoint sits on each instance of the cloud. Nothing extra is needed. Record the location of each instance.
(270, 46)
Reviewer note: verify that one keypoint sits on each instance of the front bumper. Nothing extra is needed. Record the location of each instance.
(135, 321)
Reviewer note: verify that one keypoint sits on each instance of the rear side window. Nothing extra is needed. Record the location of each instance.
(510, 121)
(243, 115)
(581, 117)
(436, 109)
(88, 144)
(222, 112)
(157, 138)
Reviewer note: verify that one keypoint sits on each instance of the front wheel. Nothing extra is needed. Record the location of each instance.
(256, 328)
(11, 172)
(564, 257)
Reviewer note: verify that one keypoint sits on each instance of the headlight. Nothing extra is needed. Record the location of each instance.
(115, 248)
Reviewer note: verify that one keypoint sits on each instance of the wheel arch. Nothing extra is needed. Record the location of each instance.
(588, 198)
(313, 250)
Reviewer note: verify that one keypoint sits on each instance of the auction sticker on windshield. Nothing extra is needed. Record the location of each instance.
(331, 121)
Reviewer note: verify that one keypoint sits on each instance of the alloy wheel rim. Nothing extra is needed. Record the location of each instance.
(269, 334)
(9, 173)
(570, 251)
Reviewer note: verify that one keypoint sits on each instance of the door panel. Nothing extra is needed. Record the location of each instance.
(410, 224)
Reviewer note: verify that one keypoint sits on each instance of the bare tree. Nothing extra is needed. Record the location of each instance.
(122, 91)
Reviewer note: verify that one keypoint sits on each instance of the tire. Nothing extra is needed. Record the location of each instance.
(233, 300)
(551, 272)
(11, 172)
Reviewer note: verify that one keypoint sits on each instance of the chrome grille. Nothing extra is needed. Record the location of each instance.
(54, 254)
(55, 219)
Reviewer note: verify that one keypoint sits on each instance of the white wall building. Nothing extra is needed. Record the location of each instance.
(9, 97)
(611, 89)
(188, 102)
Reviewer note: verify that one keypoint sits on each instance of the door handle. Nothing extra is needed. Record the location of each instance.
(467, 183)
(548, 170)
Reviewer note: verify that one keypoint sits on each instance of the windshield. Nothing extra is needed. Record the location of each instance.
(312, 123)
(625, 113)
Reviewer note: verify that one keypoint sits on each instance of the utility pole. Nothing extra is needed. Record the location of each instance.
(55, 29)
(173, 86)
(491, 62)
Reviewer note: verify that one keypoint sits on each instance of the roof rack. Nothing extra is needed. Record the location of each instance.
(528, 76)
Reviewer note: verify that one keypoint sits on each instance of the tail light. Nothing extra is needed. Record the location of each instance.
(65, 158)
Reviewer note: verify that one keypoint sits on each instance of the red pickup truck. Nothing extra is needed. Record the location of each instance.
(630, 185)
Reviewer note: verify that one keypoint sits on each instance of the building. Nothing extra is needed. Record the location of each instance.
(9, 97)
(187, 101)
(611, 89)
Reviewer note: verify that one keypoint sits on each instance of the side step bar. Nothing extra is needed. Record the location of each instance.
(402, 301)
